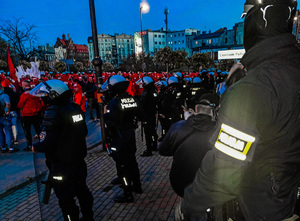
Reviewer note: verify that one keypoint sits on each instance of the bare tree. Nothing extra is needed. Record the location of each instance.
(21, 37)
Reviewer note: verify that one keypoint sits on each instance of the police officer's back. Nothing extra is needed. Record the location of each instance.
(148, 101)
(256, 155)
(63, 140)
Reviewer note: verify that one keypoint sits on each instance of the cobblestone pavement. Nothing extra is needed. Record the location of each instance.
(156, 203)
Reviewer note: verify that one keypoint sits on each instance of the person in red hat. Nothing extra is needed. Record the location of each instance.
(78, 97)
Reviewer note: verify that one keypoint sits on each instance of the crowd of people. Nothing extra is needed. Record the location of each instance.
(30, 109)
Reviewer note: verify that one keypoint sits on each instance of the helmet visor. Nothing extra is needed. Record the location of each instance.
(104, 86)
(41, 90)
(246, 10)
(140, 81)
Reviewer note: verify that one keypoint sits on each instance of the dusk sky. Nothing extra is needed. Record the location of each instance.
(55, 17)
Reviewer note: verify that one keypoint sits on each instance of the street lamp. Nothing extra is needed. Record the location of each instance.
(144, 8)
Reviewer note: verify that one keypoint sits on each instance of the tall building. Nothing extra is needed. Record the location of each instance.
(112, 49)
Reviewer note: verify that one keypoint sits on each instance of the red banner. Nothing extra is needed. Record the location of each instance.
(10, 64)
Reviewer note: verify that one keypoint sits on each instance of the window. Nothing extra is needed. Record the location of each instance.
(171, 36)
(156, 42)
(163, 43)
(159, 36)
(127, 40)
(163, 36)
(182, 41)
(174, 35)
(155, 35)
(196, 42)
(182, 34)
(160, 43)
(174, 49)
(171, 42)
(178, 42)
(174, 42)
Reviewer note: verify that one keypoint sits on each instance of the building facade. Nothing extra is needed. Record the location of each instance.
(182, 40)
(65, 49)
(112, 49)
(222, 39)
(47, 53)
(152, 41)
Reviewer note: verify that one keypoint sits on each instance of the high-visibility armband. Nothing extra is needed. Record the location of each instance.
(233, 142)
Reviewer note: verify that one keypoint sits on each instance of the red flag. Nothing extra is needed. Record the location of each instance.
(10, 64)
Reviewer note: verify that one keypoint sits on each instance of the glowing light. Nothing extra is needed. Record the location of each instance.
(57, 177)
(238, 133)
(230, 152)
(145, 8)
(233, 142)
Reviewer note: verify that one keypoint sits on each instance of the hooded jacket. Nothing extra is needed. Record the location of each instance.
(187, 141)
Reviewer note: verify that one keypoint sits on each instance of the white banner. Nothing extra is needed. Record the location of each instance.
(231, 54)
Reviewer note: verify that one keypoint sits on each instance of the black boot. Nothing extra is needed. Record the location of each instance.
(146, 153)
(137, 189)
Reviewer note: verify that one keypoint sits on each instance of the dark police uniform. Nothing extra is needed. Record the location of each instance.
(172, 106)
(256, 154)
(148, 100)
(63, 140)
(120, 120)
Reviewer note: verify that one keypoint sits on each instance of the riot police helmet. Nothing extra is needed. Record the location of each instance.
(172, 81)
(196, 80)
(178, 75)
(115, 83)
(267, 18)
(161, 84)
(145, 82)
(51, 88)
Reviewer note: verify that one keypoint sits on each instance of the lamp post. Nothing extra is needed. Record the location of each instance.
(144, 8)
(97, 62)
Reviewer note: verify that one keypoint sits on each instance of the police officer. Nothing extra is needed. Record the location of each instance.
(120, 119)
(256, 156)
(63, 141)
(188, 141)
(172, 110)
(194, 91)
(162, 87)
(148, 100)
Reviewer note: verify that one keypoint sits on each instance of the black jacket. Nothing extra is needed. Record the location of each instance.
(263, 173)
(188, 141)
(148, 101)
(63, 139)
(89, 90)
